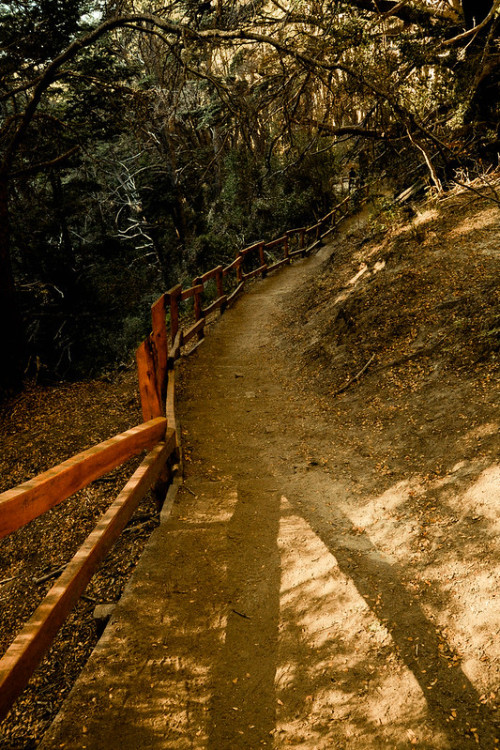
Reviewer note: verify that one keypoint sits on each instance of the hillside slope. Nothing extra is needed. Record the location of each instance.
(412, 443)
(402, 329)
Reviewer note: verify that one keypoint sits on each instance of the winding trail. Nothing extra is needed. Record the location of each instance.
(260, 615)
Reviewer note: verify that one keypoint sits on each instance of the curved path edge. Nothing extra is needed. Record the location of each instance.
(261, 614)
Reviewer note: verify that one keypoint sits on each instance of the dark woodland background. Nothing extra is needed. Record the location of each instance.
(142, 144)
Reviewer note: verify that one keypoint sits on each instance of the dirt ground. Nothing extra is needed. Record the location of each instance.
(329, 572)
(362, 531)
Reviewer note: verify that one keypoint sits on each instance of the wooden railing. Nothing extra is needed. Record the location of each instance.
(229, 282)
(158, 433)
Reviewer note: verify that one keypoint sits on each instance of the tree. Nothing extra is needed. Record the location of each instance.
(32, 64)
(223, 91)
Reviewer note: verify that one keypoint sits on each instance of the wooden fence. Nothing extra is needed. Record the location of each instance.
(158, 434)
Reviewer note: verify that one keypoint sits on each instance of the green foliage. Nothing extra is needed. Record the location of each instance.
(33, 32)
(168, 152)
(254, 204)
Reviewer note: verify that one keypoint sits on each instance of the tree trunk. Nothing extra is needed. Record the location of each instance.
(12, 336)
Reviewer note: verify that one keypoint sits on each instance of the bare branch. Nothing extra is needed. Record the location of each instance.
(475, 29)
(34, 168)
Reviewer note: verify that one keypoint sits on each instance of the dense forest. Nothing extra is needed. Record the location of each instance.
(143, 143)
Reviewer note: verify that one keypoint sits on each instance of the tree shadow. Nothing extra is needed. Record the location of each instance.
(243, 701)
(453, 702)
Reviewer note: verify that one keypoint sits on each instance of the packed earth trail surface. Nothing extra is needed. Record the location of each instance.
(328, 574)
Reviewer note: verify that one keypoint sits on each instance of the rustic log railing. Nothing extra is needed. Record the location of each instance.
(155, 358)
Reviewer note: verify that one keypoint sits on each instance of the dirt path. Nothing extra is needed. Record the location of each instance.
(275, 607)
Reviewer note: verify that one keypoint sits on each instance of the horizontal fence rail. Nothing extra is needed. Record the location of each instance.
(155, 359)
(30, 499)
(27, 650)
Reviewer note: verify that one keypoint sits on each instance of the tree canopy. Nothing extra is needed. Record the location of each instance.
(140, 143)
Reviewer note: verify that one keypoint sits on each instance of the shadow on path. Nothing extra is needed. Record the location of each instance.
(453, 702)
(242, 708)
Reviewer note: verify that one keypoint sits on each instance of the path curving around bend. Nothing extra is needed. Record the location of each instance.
(260, 615)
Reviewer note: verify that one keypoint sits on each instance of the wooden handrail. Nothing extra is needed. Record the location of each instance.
(197, 327)
(187, 293)
(29, 500)
(252, 248)
(314, 227)
(278, 264)
(235, 292)
(275, 243)
(209, 275)
(219, 302)
(257, 272)
(236, 262)
(25, 653)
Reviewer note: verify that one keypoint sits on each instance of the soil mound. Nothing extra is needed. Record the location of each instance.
(394, 292)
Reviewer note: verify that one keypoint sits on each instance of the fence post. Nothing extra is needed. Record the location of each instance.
(318, 233)
(151, 401)
(262, 259)
(286, 249)
(219, 281)
(239, 269)
(198, 312)
(160, 344)
(159, 341)
(173, 296)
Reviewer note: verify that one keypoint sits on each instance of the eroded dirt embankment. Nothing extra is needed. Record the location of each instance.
(414, 445)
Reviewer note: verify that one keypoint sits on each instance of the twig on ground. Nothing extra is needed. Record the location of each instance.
(478, 192)
(138, 526)
(48, 576)
(7, 580)
(241, 614)
(355, 377)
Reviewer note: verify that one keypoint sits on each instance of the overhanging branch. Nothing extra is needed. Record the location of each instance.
(34, 168)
